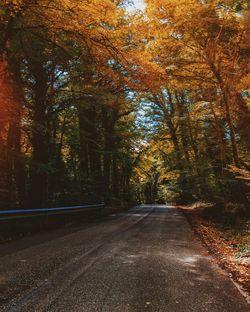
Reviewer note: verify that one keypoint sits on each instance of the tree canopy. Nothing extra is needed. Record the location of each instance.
(100, 103)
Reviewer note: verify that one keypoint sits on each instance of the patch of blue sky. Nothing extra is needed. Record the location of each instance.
(135, 5)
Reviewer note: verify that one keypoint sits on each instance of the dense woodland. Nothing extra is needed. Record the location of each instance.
(99, 104)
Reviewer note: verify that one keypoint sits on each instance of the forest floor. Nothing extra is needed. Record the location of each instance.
(229, 244)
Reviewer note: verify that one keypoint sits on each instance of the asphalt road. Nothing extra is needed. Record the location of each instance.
(147, 259)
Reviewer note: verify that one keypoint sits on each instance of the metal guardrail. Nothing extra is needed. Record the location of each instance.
(30, 213)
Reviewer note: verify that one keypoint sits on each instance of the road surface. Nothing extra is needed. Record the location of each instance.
(146, 259)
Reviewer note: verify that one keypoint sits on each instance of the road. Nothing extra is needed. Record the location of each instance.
(146, 259)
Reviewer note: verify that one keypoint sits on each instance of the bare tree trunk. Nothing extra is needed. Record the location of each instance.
(226, 101)
(84, 161)
(40, 139)
(231, 131)
(115, 176)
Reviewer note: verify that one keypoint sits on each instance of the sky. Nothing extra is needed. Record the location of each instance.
(138, 5)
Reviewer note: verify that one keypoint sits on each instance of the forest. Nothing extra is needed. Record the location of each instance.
(102, 104)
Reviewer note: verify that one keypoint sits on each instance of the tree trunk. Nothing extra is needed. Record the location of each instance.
(115, 176)
(231, 131)
(84, 161)
(226, 101)
(40, 140)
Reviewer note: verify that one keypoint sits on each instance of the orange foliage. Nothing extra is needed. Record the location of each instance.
(8, 105)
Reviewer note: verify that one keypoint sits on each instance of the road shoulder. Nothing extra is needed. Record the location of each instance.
(223, 248)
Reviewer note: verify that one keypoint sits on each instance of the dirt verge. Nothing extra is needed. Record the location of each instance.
(229, 245)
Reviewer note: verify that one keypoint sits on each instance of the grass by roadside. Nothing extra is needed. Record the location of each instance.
(230, 245)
